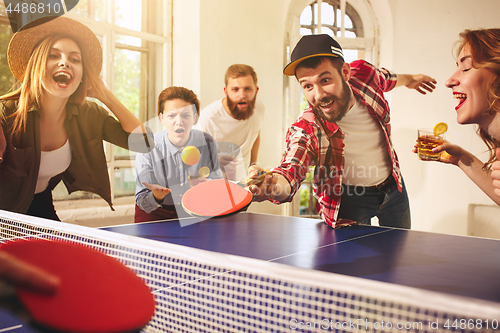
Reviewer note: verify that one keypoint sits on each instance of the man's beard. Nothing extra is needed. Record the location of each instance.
(342, 104)
(244, 113)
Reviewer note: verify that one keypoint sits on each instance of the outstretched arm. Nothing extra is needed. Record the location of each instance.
(159, 192)
(487, 181)
(419, 82)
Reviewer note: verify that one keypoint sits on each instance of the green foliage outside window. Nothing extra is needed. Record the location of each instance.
(307, 201)
(127, 85)
(128, 79)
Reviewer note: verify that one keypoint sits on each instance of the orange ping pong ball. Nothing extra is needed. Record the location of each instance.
(190, 155)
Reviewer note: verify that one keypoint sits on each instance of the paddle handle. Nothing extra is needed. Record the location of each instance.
(257, 179)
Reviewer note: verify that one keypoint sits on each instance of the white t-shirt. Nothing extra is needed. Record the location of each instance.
(367, 160)
(52, 163)
(215, 120)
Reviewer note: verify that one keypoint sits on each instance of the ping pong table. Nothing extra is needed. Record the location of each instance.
(464, 266)
(256, 273)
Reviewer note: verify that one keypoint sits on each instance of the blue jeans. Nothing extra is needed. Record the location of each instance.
(392, 207)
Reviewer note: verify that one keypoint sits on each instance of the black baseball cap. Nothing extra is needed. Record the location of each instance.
(313, 46)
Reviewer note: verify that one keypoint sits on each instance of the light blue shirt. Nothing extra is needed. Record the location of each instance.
(163, 166)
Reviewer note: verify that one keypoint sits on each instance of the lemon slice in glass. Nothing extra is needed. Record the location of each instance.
(204, 171)
(440, 128)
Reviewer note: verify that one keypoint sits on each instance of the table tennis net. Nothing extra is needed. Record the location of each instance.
(202, 291)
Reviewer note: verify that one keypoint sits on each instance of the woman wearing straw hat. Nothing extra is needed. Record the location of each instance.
(50, 132)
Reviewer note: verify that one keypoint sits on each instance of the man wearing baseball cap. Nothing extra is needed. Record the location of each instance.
(345, 133)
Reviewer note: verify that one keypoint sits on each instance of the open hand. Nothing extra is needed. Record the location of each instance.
(159, 192)
(421, 83)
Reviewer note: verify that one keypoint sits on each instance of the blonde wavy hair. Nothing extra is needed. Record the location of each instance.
(29, 93)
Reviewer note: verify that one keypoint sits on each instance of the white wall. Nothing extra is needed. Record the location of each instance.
(229, 32)
(415, 37)
(186, 40)
(424, 32)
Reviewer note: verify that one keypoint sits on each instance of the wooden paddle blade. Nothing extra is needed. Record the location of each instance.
(97, 293)
(216, 198)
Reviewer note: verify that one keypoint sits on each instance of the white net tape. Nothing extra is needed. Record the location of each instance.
(202, 291)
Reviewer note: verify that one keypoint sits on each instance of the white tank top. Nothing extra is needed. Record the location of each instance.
(367, 160)
(52, 163)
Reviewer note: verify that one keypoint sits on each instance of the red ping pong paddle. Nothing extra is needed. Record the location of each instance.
(97, 293)
(219, 197)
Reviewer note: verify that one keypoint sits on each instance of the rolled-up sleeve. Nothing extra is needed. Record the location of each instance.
(387, 79)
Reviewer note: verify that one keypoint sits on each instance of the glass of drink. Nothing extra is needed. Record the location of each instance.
(427, 141)
(193, 177)
(228, 151)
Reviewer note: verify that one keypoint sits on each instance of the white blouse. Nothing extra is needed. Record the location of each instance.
(52, 163)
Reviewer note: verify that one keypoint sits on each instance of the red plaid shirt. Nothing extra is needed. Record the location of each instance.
(312, 141)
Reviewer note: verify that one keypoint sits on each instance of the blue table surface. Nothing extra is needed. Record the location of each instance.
(458, 265)
(11, 323)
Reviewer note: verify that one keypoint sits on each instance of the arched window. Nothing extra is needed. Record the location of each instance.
(325, 16)
(338, 19)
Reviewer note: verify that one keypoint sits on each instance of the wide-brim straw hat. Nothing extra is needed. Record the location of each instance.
(24, 41)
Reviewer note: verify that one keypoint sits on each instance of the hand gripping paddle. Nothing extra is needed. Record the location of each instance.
(97, 293)
(219, 197)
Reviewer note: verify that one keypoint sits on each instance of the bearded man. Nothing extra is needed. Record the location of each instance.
(345, 134)
(235, 121)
